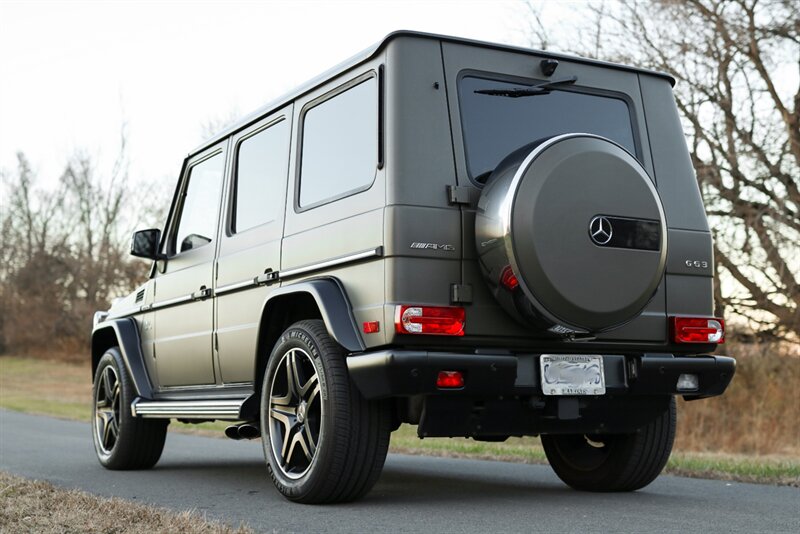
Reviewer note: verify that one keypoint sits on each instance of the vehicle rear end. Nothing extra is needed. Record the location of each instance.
(548, 259)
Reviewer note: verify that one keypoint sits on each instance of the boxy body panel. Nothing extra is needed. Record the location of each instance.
(417, 215)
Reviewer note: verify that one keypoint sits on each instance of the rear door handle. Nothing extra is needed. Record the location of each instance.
(202, 294)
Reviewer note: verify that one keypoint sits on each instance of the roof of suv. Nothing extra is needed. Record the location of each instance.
(370, 52)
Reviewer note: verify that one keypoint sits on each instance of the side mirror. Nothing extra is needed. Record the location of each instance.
(144, 244)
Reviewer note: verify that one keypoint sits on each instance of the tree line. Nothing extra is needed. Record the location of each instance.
(64, 250)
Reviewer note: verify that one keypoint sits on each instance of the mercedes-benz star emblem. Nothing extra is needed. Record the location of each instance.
(600, 230)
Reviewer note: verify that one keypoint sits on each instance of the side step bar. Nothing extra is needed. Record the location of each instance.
(229, 409)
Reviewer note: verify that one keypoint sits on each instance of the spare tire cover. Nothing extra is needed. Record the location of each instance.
(579, 224)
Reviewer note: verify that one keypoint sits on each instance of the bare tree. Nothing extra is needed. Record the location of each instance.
(534, 28)
(64, 251)
(214, 125)
(736, 63)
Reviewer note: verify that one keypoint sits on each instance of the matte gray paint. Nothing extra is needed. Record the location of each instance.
(408, 202)
(419, 152)
(690, 252)
(674, 173)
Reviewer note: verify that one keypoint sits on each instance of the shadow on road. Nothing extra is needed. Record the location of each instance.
(405, 482)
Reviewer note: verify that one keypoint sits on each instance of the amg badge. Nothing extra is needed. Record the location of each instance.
(433, 246)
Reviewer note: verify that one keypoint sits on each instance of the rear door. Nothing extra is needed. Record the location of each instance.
(250, 240)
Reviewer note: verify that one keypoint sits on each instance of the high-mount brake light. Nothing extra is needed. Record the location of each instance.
(450, 380)
(432, 320)
(697, 330)
(508, 279)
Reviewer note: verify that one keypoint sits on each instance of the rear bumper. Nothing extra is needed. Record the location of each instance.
(398, 373)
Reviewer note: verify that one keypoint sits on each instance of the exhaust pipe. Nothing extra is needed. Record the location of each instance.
(243, 431)
(233, 432)
(249, 431)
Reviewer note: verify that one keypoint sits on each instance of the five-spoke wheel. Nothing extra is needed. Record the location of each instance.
(122, 441)
(295, 412)
(323, 441)
(106, 413)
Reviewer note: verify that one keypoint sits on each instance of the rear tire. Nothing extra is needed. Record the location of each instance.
(323, 441)
(122, 441)
(613, 462)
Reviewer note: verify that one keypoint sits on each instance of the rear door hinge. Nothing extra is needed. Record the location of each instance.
(460, 293)
(459, 194)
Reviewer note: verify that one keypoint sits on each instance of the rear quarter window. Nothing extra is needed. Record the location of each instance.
(339, 154)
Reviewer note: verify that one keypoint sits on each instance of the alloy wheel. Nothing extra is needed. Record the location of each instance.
(107, 405)
(295, 413)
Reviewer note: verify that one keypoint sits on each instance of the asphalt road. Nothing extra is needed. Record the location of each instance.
(227, 481)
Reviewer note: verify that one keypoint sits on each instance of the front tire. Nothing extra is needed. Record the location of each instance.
(122, 441)
(323, 441)
(613, 462)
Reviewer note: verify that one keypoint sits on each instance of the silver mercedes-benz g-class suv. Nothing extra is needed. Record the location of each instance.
(480, 240)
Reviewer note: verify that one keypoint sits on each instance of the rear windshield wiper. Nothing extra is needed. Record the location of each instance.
(540, 89)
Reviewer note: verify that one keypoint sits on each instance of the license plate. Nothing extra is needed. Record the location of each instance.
(572, 374)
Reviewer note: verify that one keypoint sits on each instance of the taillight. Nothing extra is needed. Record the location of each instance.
(433, 320)
(697, 330)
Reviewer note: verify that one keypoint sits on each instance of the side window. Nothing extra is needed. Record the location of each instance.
(340, 145)
(198, 216)
(261, 167)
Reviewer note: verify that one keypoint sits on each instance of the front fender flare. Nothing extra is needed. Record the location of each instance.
(127, 338)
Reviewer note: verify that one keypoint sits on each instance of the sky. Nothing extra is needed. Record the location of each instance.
(73, 73)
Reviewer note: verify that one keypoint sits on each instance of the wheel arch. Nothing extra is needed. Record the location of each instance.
(320, 298)
(124, 334)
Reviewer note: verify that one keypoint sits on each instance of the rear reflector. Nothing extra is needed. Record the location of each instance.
(508, 279)
(433, 320)
(450, 380)
(371, 327)
(697, 330)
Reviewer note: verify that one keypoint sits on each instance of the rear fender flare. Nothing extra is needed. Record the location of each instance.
(333, 305)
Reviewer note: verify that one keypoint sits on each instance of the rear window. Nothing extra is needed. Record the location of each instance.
(494, 126)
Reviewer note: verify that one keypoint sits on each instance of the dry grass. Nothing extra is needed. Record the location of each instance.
(758, 414)
(32, 506)
(47, 387)
(61, 389)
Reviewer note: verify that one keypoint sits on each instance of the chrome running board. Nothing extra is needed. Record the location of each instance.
(207, 409)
